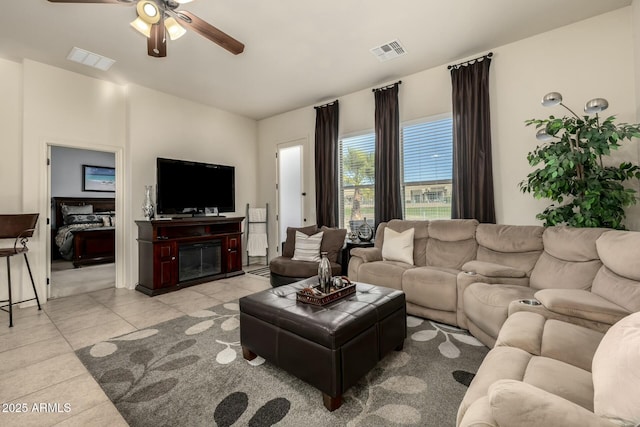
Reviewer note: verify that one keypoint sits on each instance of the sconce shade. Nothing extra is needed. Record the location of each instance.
(542, 135)
(596, 105)
(174, 29)
(142, 27)
(551, 99)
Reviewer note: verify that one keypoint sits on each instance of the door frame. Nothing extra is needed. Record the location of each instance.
(302, 142)
(119, 199)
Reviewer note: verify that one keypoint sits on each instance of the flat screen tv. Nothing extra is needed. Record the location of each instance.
(185, 187)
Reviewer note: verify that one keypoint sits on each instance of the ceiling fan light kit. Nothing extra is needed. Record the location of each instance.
(156, 18)
(142, 26)
(174, 29)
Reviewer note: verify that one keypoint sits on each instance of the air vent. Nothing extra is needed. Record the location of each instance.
(388, 51)
(90, 59)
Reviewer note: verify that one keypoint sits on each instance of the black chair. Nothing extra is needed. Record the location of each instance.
(19, 227)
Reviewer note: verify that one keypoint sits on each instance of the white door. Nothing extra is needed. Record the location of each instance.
(290, 187)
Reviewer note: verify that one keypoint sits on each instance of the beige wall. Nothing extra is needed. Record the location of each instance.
(162, 125)
(576, 60)
(45, 106)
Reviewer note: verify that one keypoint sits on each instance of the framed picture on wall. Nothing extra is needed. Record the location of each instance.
(98, 178)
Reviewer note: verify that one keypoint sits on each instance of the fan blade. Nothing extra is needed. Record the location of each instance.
(157, 43)
(207, 30)
(126, 2)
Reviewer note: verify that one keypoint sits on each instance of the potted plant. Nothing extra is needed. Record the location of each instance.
(571, 172)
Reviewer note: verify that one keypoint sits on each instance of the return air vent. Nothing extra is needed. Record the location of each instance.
(388, 51)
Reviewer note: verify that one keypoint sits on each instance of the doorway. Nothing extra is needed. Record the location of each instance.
(290, 187)
(82, 220)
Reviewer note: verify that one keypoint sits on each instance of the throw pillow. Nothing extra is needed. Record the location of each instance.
(84, 219)
(398, 246)
(72, 209)
(616, 373)
(332, 242)
(290, 242)
(307, 247)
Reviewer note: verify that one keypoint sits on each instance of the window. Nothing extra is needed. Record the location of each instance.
(428, 164)
(356, 157)
(427, 151)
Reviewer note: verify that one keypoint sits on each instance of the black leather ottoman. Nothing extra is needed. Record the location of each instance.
(329, 347)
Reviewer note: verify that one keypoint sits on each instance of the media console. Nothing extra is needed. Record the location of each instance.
(173, 254)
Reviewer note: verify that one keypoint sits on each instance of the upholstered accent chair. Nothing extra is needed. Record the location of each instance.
(285, 269)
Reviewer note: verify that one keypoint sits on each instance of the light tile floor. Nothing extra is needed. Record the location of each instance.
(38, 365)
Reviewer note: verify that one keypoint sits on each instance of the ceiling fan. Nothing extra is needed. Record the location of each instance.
(157, 18)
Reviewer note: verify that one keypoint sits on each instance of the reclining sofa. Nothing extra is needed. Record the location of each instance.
(474, 275)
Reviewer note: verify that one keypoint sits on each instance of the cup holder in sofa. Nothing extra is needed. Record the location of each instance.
(532, 302)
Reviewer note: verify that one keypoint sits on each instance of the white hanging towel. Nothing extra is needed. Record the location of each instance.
(257, 243)
(257, 214)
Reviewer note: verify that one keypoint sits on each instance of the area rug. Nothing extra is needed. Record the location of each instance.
(190, 372)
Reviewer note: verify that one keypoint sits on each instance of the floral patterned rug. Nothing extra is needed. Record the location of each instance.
(190, 372)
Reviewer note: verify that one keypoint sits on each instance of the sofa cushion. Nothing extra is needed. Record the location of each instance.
(398, 246)
(332, 241)
(383, 273)
(516, 246)
(487, 305)
(570, 259)
(616, 372)
(307, 248)
(619, 279)
(562, 379)
(451, 243)
(490, 269)
(431, 287)
(290, 242)
(581, 304)
(287, 267)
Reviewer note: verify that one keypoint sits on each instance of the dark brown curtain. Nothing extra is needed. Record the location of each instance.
(387, 188)
(326, 150)
(472, 169)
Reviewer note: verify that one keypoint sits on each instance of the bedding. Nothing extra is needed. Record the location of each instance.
(85, 231)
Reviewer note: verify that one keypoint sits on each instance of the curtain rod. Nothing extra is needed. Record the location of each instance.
(326, 105)
(456, 66)
(387, 87)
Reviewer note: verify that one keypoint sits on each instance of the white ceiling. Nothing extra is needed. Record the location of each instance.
(298, 52)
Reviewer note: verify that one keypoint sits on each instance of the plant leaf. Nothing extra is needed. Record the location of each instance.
(449, 350)
(152, 391)
(401, 414)
(424, 335)
(230, 324)
(467, 339)
(117, 375)
(404, 384)
(199, 327)
(181, 346)
(141, 357)
(226, 356)
(178, 363)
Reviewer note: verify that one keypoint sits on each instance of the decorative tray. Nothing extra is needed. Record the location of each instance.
(313, 295)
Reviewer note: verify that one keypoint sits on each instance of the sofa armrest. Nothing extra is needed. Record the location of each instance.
(367, 254)
(581, 304)
(489, 269)
(515, 403)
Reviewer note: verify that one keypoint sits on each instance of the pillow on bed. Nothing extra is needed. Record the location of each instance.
(72, 210)
(84, 219)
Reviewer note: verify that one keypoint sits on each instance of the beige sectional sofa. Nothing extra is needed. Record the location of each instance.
(557, 363)
(547, 372)
(473, 275)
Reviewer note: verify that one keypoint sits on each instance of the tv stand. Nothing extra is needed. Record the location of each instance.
(177, 253)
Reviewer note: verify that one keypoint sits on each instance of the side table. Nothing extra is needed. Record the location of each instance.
(346, 253)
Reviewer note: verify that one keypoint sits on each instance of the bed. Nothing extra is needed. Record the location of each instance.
(84, 230)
